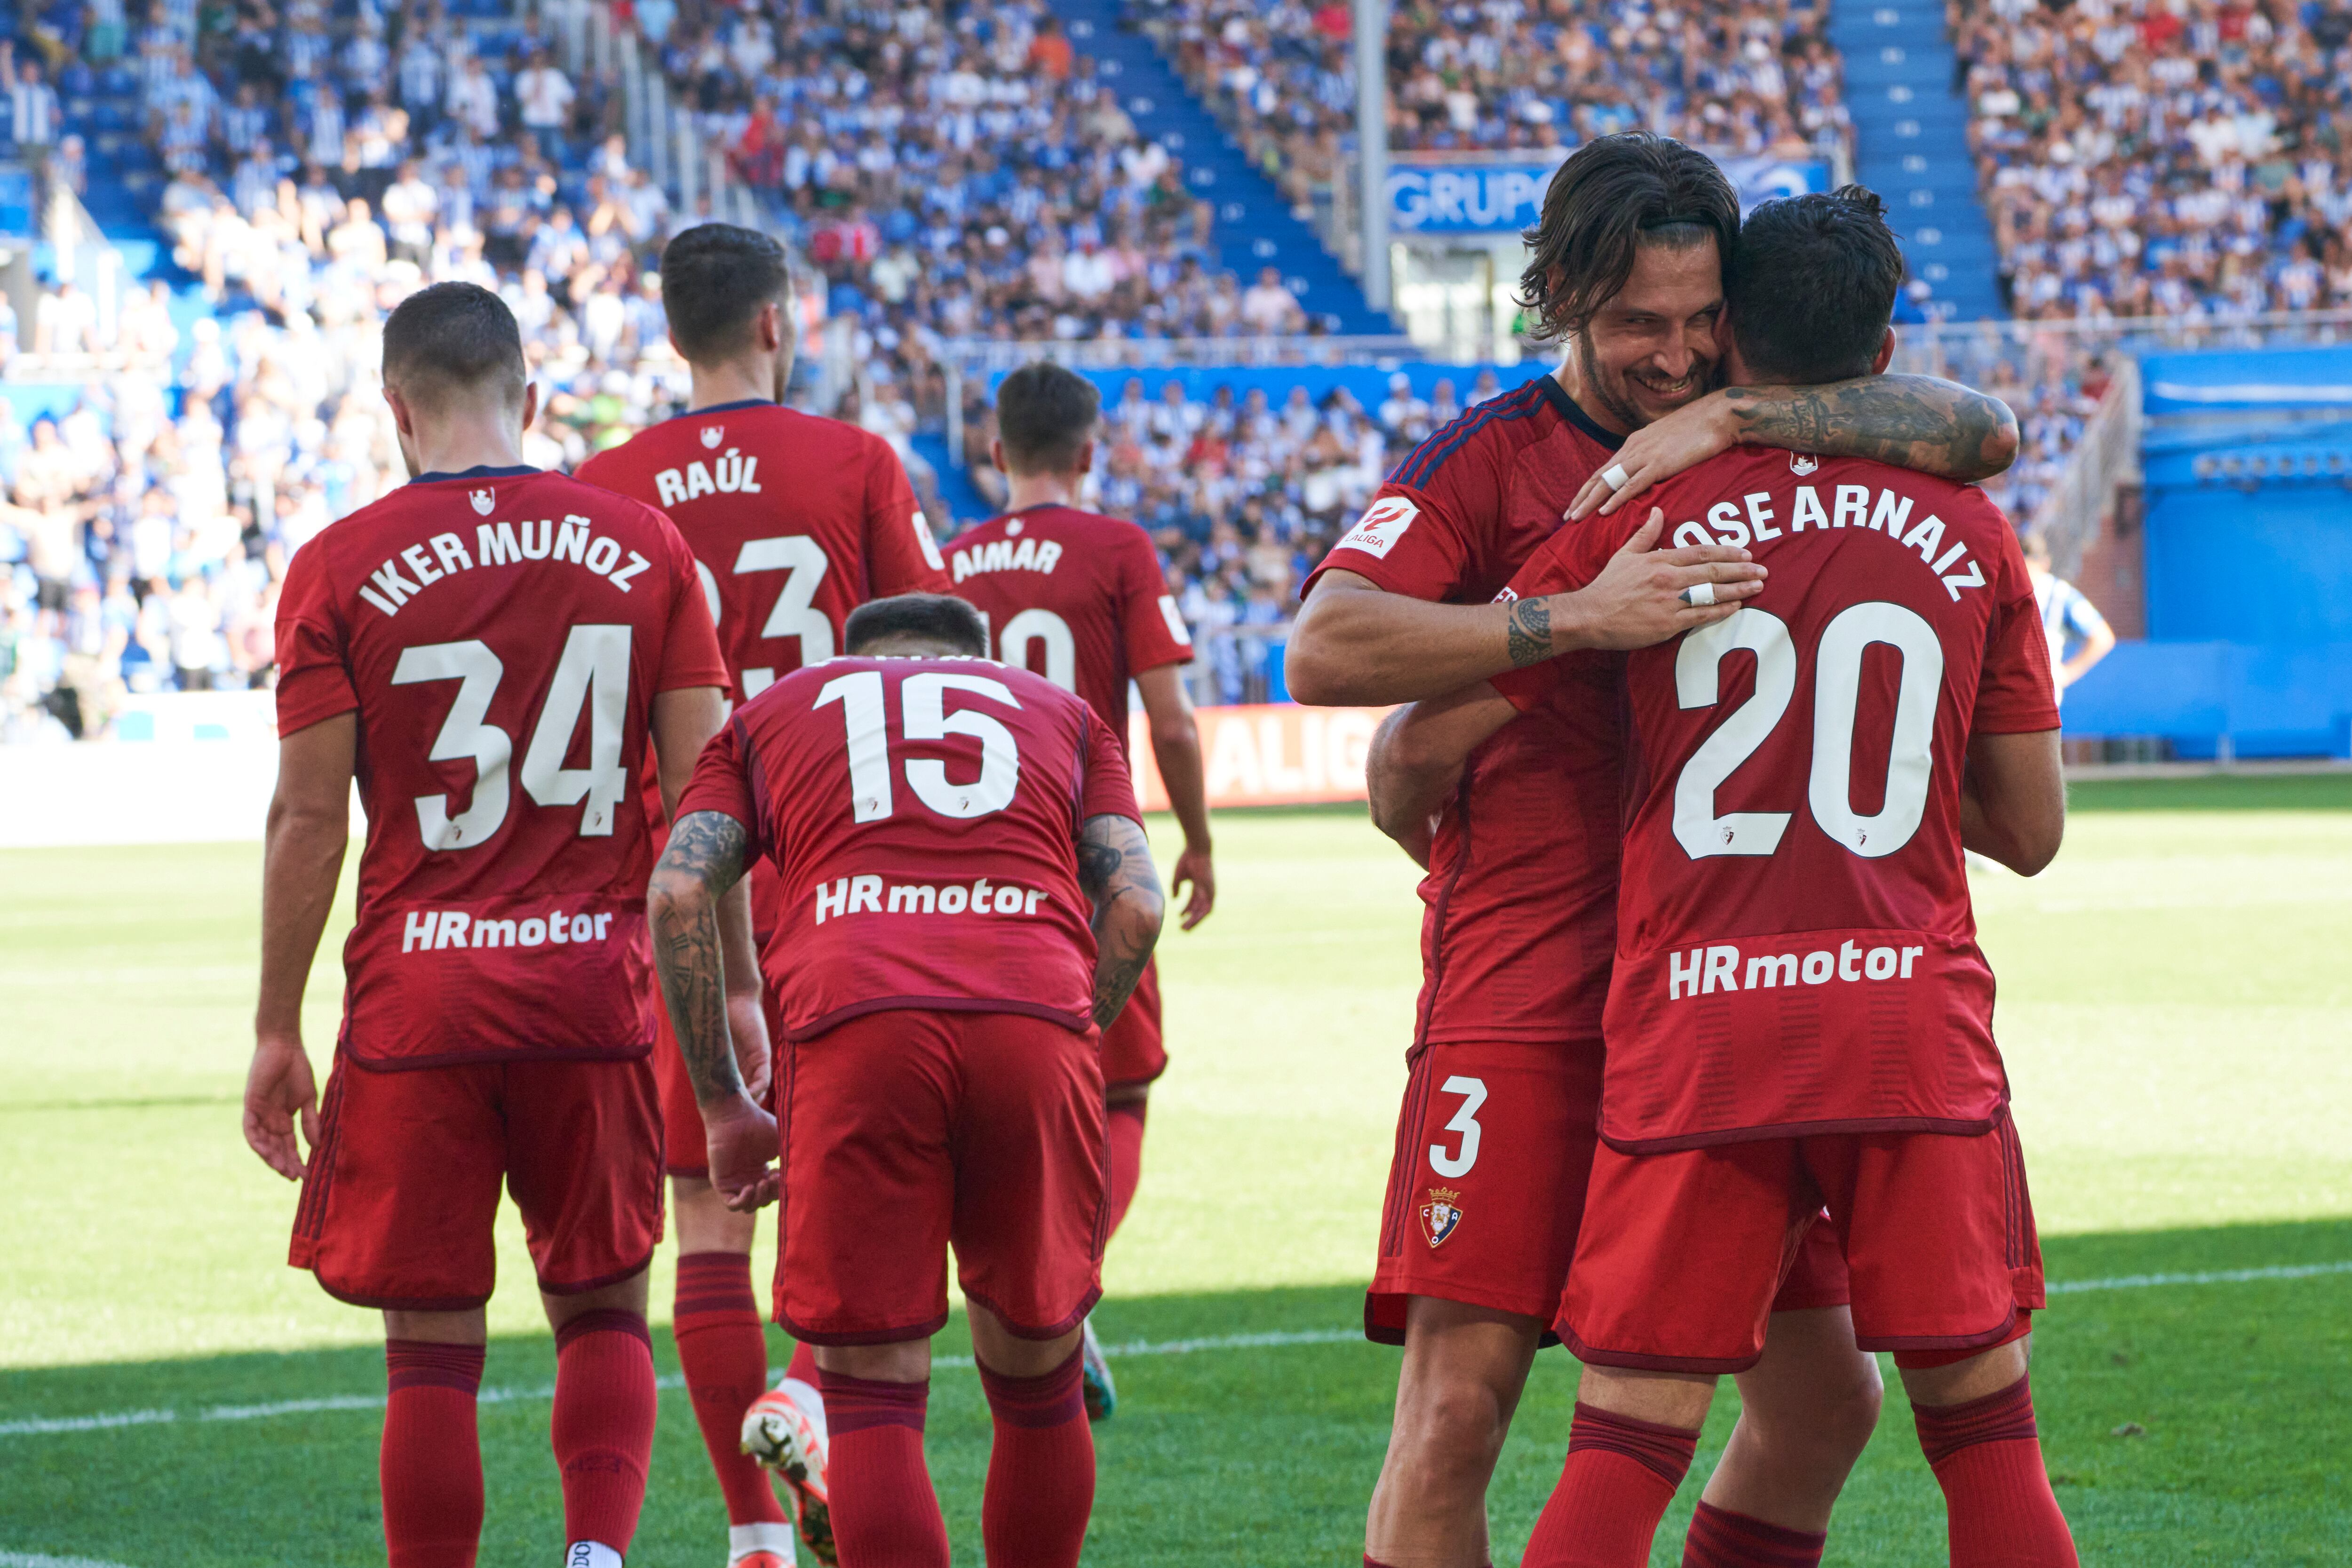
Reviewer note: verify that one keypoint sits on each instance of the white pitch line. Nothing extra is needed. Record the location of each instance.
(2220, 1276)
(37, 1560)
(44, 1427)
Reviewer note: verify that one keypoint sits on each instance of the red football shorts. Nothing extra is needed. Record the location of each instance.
(909, 1133)
(1132, 1048)
(1487, 1185)
(1682, 1253)
(401, 1192)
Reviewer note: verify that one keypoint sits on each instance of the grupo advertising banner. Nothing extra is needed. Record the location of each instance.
(1493, 199)
(1273, 754)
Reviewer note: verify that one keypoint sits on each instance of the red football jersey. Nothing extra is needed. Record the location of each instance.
(923, 815)
(794, 520)
(1074, 596)
(783, 557)
(502, 633)
(1796, 952)
(1521, 892)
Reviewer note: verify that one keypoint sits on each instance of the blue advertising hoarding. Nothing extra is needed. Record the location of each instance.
(1497, 199)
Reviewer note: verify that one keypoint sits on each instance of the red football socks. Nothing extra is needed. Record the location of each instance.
(1041, 1470)
(604, 1423)
(1620, 1474)
(1997, 1500)
(432, 1460)
(724, 1353)
(884, 1514)
(802, 1368)
(1721, 1539)
(1124, 1124)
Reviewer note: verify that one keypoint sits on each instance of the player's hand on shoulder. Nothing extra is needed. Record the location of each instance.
(1640, 596)
(278, 1092)
(1657, 452)
(1195, 871)
(740, 1138)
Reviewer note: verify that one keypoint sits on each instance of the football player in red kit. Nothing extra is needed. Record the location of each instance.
(1799, 1012)
(1078, 599)
(1492, 1146)
(489, 650)
(794, 520)
(968, 898)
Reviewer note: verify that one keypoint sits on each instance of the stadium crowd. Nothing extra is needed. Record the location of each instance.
(1243, 494)
(1537, 76)
(2181, 160)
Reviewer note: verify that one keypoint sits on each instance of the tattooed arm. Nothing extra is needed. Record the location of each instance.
(1354, 643)
(701, 962)
(1417, 758)
(1115, 869)
(1912, 421)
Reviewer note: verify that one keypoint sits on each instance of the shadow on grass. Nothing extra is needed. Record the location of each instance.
(1264, 1455)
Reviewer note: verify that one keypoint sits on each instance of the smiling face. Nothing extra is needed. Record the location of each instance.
(1651, 347)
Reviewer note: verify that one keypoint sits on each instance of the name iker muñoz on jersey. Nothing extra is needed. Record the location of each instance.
(923, 816)
(501, 635)
(1796, 948)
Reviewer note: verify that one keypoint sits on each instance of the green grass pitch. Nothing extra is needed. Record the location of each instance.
(2176, 1006)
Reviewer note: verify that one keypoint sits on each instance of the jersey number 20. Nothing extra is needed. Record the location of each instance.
(1837, 689)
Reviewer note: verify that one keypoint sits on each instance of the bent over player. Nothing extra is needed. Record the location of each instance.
(490, 647)
(967, 900)
(1078, 599)
(1799, 1014)
(794, 520)
(1627, 269)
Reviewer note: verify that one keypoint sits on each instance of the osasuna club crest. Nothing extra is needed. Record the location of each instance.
(483, 501)
(1802, 462)
(712, 434)
(1441, 1214)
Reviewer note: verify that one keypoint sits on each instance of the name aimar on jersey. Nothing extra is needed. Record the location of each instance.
(500, 544)
(1004, 555)
(866, 895)
(1751, 520)
(730, 474)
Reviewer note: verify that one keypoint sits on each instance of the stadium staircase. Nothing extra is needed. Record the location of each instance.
(1911, 135)
(1255, 226)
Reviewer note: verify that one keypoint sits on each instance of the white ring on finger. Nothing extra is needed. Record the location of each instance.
(1699, 594)
(1614, 476)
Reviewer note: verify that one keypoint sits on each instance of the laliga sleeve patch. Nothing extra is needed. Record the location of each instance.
(1382, 524)
(1169, 613)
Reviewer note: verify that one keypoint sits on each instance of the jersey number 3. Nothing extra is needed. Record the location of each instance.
(593, 674)
(794, 615)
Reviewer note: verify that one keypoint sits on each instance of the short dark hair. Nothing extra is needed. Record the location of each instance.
(935, 617)
(1615, 194)
(1828, 327)
(1044, 415)
(454, 337)
(715, 277)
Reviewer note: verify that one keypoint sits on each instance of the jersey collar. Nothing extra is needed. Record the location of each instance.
(479, 471)
(727, 408)
(1557, 395)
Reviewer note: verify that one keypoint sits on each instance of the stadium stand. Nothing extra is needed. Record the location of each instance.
(298, 177)
(1511, 75)
(2175, 160)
